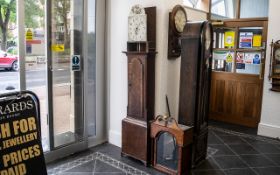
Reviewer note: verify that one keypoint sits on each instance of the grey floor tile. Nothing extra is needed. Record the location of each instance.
(230, 140)
(213, 139)
(208, 164)
(227, 162)
(208, 172)
(267, 148)
(220, 133)
(275, 158)
(268, 171)
(257, 160)
(101, 167)
(244, 171)
(76, 173)
(109, 173)
(222, 150)
(243, 149)
(87, 167)
(260, 140)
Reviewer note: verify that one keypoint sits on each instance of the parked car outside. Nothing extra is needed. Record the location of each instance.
(8, 62)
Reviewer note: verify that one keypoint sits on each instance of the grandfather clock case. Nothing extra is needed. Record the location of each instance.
(195, 84)
(141, 93)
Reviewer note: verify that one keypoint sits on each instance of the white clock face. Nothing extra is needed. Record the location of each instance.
(137, 28)
(180, 20)
(277, 55)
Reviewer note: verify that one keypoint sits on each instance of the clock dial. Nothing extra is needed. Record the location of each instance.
(180, 20)
(277, 55)
(137, 28)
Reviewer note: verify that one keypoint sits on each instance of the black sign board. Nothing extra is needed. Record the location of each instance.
(21, 150)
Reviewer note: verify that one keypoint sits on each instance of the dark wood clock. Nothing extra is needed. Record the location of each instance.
(275, 66)
(141, 93)
(195, 84)
(177, 22)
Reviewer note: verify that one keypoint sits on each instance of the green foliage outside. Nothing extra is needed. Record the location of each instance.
(34, 12)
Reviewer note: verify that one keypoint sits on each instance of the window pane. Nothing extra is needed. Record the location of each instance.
(223, 61)
(167, 151)
(223, 9)
(254, 8)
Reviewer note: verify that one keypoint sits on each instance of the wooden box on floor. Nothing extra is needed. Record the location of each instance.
(171, 146)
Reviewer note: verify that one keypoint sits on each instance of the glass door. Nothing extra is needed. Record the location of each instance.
(65, 21)
(49, 48)
(66, 80)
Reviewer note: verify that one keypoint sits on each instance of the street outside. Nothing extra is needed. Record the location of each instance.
(36, 82)
(35, 76)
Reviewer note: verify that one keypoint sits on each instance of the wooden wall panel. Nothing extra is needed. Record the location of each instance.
(135, 88)
(235, 98)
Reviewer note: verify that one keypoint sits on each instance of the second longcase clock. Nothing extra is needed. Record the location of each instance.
(195, 84)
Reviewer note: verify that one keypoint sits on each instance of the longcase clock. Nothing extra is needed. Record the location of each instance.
(195, 84)
(141, 93)
(274, 73)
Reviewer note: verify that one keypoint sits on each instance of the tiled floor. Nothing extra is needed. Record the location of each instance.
(230, 153)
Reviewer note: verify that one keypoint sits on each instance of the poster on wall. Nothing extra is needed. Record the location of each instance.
(21, 150)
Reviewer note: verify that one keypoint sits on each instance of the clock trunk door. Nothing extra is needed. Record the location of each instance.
(136, 87)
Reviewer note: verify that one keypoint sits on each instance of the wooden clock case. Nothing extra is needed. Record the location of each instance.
(275, 67)
(182, 138)
(174, 46)
(141, 93)
(195, 85)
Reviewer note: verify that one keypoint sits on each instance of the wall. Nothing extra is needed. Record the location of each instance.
(270, 118)
(167, 72)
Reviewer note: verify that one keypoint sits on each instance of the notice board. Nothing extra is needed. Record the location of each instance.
(21, 150)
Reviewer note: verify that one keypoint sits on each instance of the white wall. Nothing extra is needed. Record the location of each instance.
(270, 118)
(167, 72)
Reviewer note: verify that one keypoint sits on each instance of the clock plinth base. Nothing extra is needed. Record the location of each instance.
(135, 140)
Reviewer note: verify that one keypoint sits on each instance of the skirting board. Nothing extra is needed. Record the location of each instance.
(115, 138)
(268, 130)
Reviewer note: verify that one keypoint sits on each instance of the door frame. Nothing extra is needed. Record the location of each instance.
(101, 124)
(79, 145)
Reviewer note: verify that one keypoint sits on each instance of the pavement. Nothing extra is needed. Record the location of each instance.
(61, 109)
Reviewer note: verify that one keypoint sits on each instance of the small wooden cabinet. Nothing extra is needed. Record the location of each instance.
(171, 144)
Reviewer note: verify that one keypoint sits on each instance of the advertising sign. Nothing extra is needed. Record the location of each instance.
(21, 150)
